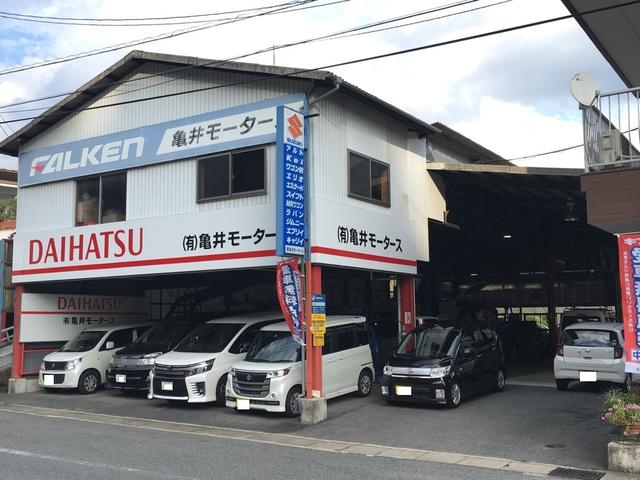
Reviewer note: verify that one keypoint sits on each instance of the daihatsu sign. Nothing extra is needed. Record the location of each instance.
(57, 318)
(213, 240)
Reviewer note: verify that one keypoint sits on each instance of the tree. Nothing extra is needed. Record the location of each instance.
(8, 209)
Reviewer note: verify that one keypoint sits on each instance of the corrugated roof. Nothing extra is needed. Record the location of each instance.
(97, 85)
(474, 151)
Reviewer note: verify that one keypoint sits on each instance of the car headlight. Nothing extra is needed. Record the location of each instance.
(72, 364)
(278, 373)
(440, 372)
(150, 358)
(42, 367)
(200, 368)
(387, 370)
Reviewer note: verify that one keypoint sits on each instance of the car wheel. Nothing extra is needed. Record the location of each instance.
(365, 382)
(221, 391)
(562, 384)
(500, 380)
(628, 382)
(89, 382)
(453, 395)
(292, 405)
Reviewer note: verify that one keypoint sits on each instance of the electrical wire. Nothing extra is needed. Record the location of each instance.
(155, 38)
(217, 63)
(137, 19)
(340, 64)
(145, 22)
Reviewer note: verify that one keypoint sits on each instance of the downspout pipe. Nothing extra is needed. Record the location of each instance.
(337, 82)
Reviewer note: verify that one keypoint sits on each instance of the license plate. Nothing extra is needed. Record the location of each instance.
(242, 403)
(47, 379)
(167, 385)
(588, 376)
(121, 379)
(400, 390)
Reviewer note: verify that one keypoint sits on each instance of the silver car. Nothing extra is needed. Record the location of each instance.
(591, 352)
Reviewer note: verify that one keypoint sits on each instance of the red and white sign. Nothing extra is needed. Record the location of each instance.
(355, 237)
(629, 258)
(57, 318)
(220, 239)
(289, 289)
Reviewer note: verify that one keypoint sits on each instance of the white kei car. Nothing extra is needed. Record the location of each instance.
(82, 362)
(591, 352)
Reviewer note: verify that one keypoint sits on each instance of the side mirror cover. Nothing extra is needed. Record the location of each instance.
(110, 345)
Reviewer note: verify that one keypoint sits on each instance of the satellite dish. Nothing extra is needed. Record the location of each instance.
(584, 89)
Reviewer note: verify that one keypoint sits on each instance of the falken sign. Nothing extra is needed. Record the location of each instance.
(237, 127)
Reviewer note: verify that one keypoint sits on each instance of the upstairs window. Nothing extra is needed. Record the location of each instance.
(231, 174)
(101, 199)
(368, 179)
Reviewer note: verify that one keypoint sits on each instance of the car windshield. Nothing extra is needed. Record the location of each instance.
(83, 342)
(165, 334)
(590, 338)
(430, 343)
(209, 338)
(273, 347)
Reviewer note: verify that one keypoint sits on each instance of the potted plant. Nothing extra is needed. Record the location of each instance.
(623, 410)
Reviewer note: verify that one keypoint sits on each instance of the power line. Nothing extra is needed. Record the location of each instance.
(550, 152)
(217, 63)
(164, 36)
(340, 64)
(148, 22)
(135, 19)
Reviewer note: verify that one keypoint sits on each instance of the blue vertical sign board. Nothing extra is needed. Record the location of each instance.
(318, 304)
(290, 145)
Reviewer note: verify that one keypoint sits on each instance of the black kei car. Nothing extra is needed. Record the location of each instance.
(443, 364)
(130, 367)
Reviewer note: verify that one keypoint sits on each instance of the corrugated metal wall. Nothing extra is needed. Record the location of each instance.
(170, 188)
(345, 125)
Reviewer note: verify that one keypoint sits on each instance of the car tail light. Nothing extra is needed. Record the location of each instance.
(560, 351)
(617, 352)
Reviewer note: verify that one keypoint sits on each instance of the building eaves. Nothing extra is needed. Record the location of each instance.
(474, 151)
(118, 71)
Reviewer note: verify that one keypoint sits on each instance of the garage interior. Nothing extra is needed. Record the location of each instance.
(515, 246)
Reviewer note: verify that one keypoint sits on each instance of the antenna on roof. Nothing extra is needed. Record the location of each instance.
(584, 89)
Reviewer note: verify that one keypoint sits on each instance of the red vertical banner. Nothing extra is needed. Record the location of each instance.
(289, 288)
(629, 258)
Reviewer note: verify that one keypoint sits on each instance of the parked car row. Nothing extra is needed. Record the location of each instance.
(246, 362)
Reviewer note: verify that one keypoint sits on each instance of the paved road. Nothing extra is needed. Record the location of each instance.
(35, 447)
(518, 424)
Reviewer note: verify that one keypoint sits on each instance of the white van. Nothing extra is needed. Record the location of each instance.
(82, 362)
(196, 369)
(270, 377)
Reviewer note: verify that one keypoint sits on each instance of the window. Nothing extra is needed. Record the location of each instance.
(120, 338)
(344, 338)
(245, 338)
(368, 179)
(101, 199)
(231, 174)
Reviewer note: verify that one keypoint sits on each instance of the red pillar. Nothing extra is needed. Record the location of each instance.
(17, 368)
(407, 303)
(313, 372)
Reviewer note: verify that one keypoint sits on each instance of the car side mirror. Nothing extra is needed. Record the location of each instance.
(244, 347)
(467, 351)
(110, 345)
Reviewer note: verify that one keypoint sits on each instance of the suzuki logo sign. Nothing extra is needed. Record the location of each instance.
(295, 126)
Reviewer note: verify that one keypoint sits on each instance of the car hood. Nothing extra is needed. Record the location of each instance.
(63, 356)
(412, 362)
(184, 358)
(139, 351)
(262, 366)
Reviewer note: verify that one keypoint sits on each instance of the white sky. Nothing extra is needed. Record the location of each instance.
(508, 92)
